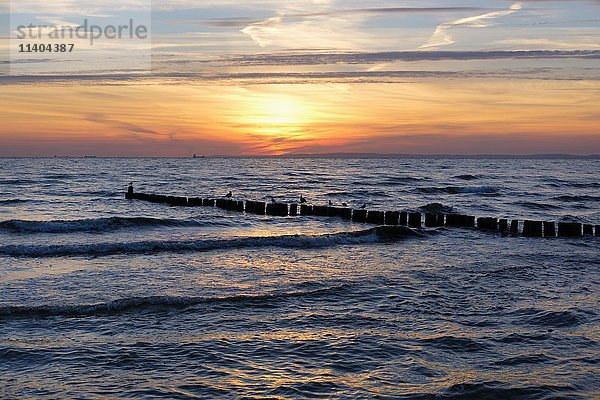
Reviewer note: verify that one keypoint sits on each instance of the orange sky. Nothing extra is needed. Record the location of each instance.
(429, 116)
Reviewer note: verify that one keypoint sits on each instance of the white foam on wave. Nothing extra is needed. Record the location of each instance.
(372, 235)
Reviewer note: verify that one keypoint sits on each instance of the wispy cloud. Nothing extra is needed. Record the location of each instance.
(325, 28)
(442, 36)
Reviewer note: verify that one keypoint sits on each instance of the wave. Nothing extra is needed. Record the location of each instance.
(502, 390)
(536, 206)
(577, 198)
(373, 235)
(10, 202)
(437, 208)
(580, 185)
(149, 303)
(93, 224)
(483, 190)
(548, 318)
(396, 180)
(17, 181)
(467, 177)
(455, 344)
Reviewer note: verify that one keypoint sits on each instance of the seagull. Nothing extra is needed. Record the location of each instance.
(330, 202)
(273, 199)
(302, 199)
(229, 195)
(363, 206)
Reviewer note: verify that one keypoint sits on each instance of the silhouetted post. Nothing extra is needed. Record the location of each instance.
(549, 229)
(321, 211)
(404, 218)
(441, 219)
(434, 220)
(503, 225)
(533, 228)
(487, 224)
(376, 217)
(129, 194)
(293, 210)
(277, 209)
(331, 211)
(588, 230)
(468, 221)
(597, 229)
(431, 220)
(414, 220)
(208, 202)
(459, 221)
(258, 207)
(569, 229)
(177, 201)
(345, 213)
(490, 224)
(452, 221)
(392, 217)
(305, 209)
(514, 227)
(194, 202)
(359, 216)
(161, 198)
(239, 206)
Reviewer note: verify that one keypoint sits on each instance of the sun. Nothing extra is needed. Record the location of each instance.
(279, 110)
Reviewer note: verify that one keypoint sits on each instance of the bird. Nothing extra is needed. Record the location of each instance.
(330, 202)
(273, 199)
(363, 206)
(302, 199)
(229, 195)
(344, 204)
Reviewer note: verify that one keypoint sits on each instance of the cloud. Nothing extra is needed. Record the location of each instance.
(325, 28)
(394, 56)
(441, 36)
(120, 125)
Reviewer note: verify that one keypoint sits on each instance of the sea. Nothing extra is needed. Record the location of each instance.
(103, 297)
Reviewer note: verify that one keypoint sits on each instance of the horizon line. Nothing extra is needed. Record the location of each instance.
(333, 155)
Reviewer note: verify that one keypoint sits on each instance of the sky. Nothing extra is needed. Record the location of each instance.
(267, 77)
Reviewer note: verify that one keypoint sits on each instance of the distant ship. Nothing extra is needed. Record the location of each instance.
(197, 156)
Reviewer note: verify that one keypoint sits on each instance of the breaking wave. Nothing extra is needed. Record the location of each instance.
(373, 235)
(482, 190)
(93, 224)
(10, 202)
(150, 303)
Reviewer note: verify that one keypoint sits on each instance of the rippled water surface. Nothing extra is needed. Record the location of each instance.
(106, 298)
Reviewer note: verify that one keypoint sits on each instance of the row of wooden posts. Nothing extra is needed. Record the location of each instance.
(403, 218)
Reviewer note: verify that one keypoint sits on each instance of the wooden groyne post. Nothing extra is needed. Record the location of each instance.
(531, 228)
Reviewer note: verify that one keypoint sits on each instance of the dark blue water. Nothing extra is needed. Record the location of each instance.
(106, 298)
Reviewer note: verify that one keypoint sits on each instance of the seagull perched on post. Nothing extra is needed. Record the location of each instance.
(229, 195)
(330, 203)
(302, 199)
(273, 199)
